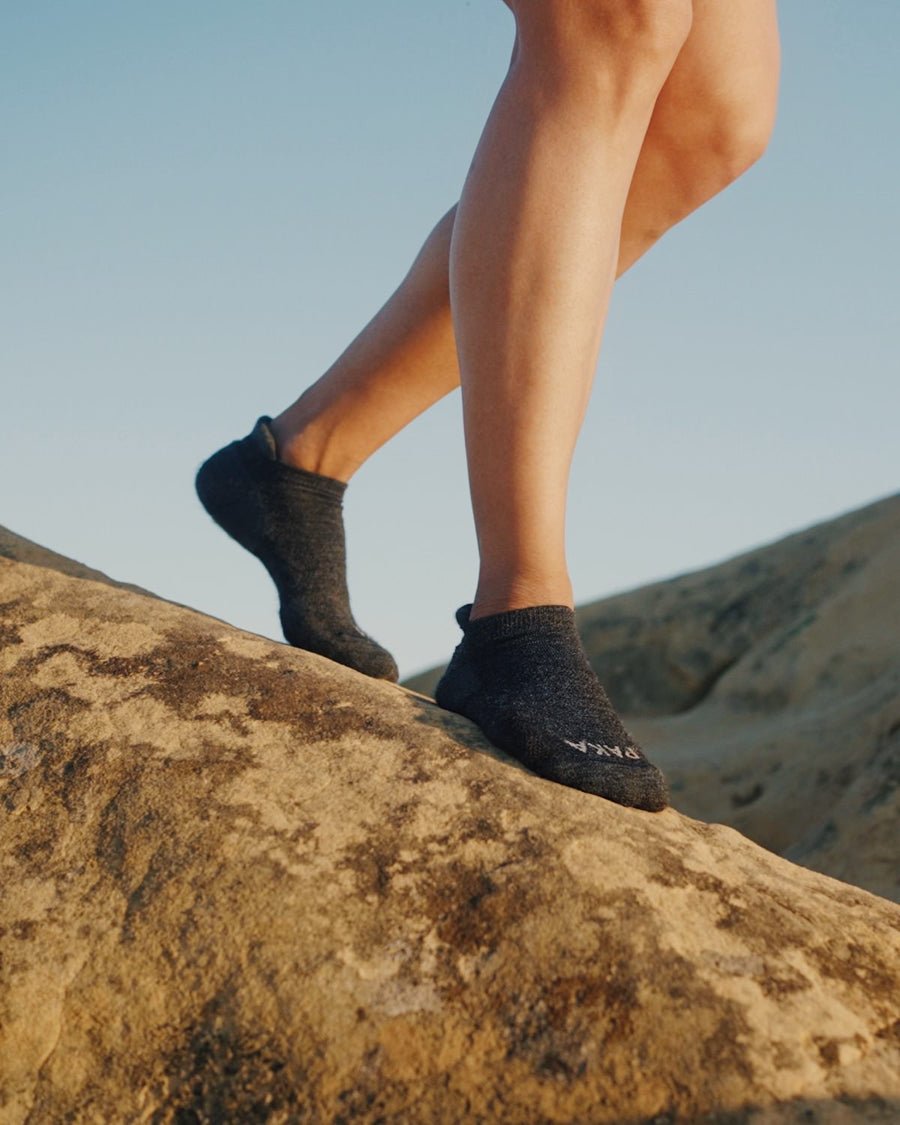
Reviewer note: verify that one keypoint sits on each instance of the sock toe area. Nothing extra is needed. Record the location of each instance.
(635, 782)
(639, 787)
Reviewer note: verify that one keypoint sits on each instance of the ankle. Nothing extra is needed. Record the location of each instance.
(305, 448)
(521, 593)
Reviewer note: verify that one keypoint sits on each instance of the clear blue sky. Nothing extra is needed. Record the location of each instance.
(203, 200)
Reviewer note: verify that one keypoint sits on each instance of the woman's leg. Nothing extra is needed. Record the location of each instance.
(711, 121)
(533, 259)
(532, 263)
(402, 362)
(536, 247)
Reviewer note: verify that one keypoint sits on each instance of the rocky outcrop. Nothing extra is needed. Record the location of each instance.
(240, 883)
(768, 688)
(19, 549)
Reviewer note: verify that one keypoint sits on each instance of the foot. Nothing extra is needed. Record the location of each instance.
(292, 521)
(523, 677)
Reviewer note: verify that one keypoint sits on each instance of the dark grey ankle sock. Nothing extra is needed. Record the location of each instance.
(523, 677)
(292, 521)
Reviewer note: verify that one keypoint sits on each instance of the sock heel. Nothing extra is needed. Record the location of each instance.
(224, 487)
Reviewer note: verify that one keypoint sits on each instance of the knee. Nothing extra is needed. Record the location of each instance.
(710, 149)
(629, 36)
(734, 137)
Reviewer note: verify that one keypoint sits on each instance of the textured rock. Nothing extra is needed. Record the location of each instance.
(768, 688)
(240, 883)
(19, 549)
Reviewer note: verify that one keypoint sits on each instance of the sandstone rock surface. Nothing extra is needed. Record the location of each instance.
(768, 689)
(239, 883)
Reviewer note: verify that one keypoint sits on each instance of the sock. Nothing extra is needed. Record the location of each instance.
(292, 521)
(524, 678)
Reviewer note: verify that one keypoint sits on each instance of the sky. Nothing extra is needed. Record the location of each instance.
(203, 201)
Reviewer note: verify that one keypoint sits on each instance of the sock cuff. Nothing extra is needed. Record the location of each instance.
(262, 441)
(534, 619)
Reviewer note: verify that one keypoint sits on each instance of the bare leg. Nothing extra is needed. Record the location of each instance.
(711, 121)
(402, 362)
(533, 259)
(532, 262)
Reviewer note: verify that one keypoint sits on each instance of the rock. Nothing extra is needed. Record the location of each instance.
(242, 884)
(768, 688)
(20, 549)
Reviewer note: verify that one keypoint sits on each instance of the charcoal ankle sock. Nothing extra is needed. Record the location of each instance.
(292, 521)
(523, 677)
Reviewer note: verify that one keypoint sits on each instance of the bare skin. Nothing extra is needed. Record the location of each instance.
(616, 120)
